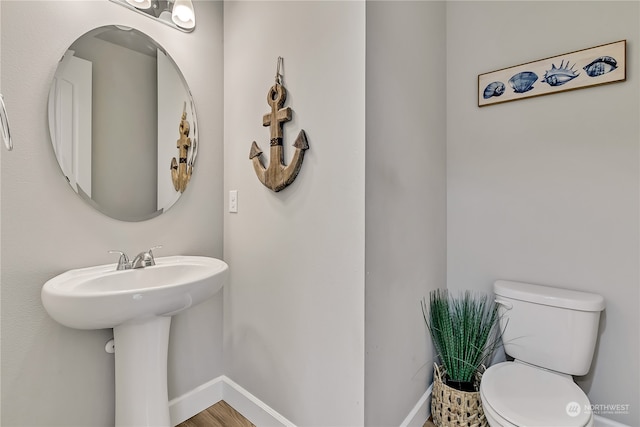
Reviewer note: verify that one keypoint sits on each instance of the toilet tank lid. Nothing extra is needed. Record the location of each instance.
(547, 295)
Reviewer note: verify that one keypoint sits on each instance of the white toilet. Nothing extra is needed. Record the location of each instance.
(551, 333)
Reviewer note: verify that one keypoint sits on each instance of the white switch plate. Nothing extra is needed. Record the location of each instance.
(233, 201)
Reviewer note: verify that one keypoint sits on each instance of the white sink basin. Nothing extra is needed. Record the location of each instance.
(101, 297)
(138, 305)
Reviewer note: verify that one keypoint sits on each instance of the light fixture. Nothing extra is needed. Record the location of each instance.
(178, 14)
(183, 15)
(165, 15)
(140, 4)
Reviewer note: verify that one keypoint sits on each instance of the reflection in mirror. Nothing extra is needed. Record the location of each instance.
(117, 108)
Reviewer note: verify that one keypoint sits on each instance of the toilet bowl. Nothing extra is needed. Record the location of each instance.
(515, 394)
(551, 334)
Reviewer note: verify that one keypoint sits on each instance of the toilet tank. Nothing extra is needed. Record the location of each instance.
(549, 327)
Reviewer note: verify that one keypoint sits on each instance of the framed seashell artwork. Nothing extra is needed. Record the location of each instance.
(575, 70)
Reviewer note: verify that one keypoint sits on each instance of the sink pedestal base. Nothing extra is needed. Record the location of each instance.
(141, 372)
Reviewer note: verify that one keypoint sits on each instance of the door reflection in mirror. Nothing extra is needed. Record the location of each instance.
(115, 106)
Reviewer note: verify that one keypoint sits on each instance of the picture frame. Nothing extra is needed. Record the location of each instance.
(594, 66)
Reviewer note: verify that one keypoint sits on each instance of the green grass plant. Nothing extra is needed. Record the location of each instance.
(464, 330)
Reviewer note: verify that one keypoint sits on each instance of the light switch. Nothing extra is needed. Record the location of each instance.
(233, 201)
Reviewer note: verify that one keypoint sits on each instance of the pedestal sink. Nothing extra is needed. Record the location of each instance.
(138, 305)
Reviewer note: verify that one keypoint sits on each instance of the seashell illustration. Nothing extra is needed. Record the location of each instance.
(600, 66)
(493, 89)
(560, 75)
(523, 82)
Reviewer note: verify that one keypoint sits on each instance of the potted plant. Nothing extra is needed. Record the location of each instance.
(465, 333)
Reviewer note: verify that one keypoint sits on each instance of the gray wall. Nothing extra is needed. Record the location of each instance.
(125, 123)
(52, 375)
(405, 200)
(546, 190)
(294, 310)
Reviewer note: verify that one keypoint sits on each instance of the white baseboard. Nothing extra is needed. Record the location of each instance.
(223, 388)
(197, 400)
(420, 412)
(251, 407)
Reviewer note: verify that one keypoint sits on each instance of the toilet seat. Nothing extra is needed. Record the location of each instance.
(524, 395)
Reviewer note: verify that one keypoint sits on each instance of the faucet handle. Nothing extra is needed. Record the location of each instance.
(153, 261)
(150, 252)
(123, 261)
(145, 259)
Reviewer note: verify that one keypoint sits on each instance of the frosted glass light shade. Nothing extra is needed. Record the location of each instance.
(183, 14)
(165, 15)
(140, 4)
(181, 17)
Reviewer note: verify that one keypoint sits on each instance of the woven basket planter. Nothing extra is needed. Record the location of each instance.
(455, 408)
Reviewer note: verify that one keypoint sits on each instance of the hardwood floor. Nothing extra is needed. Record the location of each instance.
(429, 423)
(219, 415)
(223, 415)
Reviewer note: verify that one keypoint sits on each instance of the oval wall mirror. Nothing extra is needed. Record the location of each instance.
(122, 123)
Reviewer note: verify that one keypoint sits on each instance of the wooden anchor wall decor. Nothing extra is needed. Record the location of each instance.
(277, 175)
(181, 171)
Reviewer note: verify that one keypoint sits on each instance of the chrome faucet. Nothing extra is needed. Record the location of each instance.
(143, 259)
(123, 262)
